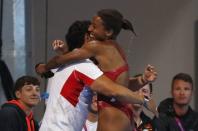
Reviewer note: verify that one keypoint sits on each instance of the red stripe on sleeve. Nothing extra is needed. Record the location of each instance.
(74, 85)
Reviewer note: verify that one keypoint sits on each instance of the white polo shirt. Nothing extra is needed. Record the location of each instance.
(66, 108)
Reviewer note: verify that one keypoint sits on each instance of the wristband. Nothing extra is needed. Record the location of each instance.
(47, 74)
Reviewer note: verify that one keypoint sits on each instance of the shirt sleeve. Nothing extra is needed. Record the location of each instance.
(87, 72)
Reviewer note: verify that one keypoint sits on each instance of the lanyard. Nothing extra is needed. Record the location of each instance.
(85, 127)
(179, 124)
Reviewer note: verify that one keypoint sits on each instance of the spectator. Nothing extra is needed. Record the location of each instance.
(141, 120)
(16, 115)
(92, 119)
(176, 113)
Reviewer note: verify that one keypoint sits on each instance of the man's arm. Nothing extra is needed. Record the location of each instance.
(107, 87)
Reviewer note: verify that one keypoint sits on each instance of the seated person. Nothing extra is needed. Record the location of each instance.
(92, 119)
(141, 120)
(16, 115)
(175, 114)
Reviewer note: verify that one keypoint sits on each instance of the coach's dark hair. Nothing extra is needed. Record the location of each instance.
(114, 21)
(76, 34)
(182, 76)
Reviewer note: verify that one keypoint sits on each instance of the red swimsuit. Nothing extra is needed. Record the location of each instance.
(104, 101)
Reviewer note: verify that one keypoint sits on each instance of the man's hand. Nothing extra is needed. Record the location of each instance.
(150, 74)
(59, 46)
(40, 69)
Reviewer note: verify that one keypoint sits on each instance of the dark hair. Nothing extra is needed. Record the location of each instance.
(25, 80)
(76, 34)
(113, 20)
(150, 84)
(182, 76)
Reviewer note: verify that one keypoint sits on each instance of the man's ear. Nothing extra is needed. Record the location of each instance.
(18, 94)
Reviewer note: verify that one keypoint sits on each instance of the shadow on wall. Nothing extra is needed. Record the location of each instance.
(5, 75)
(196, 64)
